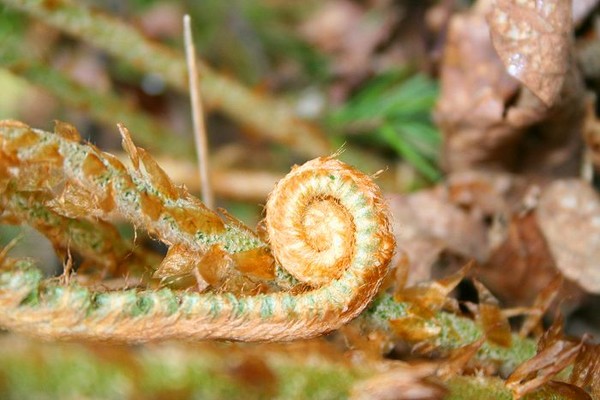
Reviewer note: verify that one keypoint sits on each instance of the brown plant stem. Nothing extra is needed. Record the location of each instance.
(97, 241)
(200, 134)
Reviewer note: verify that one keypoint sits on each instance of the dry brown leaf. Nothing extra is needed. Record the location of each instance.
(459, 358)
(488, 123)
(541, 304)
(521, 266)
(569, 217)
(420, 248)
(485, 193)
(533, 39)
(554, 354)
(429, 297)
(586, 370)
(429, 215)
(403, 382)
(453, 217)
(474, 90)
(562, 390)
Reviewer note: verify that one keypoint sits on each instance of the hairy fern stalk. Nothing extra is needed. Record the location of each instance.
(328, 248)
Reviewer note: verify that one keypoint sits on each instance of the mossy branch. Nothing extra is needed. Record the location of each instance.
(454, 332)
(97, 241)
(313, 369)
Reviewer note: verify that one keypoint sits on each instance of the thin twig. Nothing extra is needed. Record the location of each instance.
(67, 268)
(197, 115)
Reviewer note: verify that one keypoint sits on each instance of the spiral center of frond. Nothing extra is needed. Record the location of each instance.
(328, 228)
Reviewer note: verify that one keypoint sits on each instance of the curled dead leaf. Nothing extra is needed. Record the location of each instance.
(533, 39)
(486, 120)
(474, 90)
(521, 265)
(586, 369)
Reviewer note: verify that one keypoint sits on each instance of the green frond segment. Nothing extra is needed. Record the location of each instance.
(394, 110)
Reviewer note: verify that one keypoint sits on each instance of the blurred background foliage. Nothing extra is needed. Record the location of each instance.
(268, 46)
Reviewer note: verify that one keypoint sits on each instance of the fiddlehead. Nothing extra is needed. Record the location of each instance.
(327, 227)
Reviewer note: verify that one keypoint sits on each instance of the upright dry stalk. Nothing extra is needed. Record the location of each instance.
(200, 136)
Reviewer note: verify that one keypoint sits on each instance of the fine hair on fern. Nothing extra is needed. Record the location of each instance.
(327, 253)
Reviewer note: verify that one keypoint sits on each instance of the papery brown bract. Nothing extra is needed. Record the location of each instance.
(458, 359)
(494, 323)
(541, 304)
(586, 369)
(414, 328)
(554, 354)
(433, 295)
